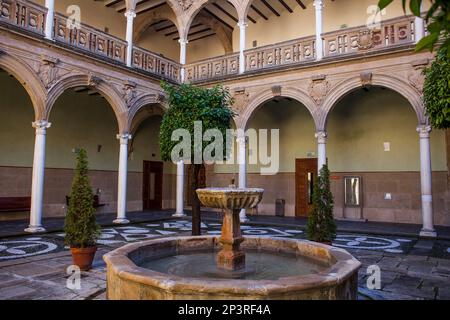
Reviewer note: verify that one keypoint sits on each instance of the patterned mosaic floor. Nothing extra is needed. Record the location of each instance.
(16, 248)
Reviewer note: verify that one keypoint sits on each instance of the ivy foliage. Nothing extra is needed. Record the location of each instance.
(81, 228)
(436, 91)
(321, 226)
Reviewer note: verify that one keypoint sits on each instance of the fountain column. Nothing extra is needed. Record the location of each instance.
(231, 257)
(242, 161)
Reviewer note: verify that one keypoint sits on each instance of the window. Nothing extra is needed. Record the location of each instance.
(352, 191)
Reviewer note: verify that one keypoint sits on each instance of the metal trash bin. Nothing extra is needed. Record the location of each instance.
(279, 207)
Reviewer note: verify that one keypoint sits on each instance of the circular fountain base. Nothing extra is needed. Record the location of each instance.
(333, 272)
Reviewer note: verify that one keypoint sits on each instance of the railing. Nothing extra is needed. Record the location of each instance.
(23, 14)
(213, 68)
(153, 63)
(288, 52)
(89, 39)
(392, 32)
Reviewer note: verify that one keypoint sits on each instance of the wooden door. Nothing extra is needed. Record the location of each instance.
(152, 185)
(305, 177)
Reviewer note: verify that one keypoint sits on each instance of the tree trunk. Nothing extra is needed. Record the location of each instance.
(196, 218)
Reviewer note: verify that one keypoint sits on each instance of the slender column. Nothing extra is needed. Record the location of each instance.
(318, 4)
(37, 184)
(419, 29)
(183, 44)
(425, 181)
(180, 190)
(49, 19)
(242, 40)
(122, 184)
(130, 14)
(242, 161)
(321, 149)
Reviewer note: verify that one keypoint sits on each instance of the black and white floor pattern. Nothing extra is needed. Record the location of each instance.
(119, 235)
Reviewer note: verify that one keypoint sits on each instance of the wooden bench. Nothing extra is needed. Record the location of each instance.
(96, 203)
(15, 204)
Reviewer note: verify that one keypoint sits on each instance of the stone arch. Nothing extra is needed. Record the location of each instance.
(28, 79)
(354, 83)
(143, 22)
(108, 92)
(264, 96)
(134, 117)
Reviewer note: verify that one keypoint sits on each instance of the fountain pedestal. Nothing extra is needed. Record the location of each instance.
(231, 257)
(232, 201)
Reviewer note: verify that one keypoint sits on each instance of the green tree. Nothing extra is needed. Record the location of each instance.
(437, 19)
(81, 228)
(436, 91)
(188, 104)
(321, 226)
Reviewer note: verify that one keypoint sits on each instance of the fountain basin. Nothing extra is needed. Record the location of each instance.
(128, 280)
(230, 198)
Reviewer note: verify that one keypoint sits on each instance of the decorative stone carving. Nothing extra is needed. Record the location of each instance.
(321, 137)
(276, 90)
(416, 76)
(185, 4)
(129, 93)
(93, 81)
(364, 40)
(161, 98)
(241, 99)
(48, 71)
(424, 131)
(319, 88)
(366, 79)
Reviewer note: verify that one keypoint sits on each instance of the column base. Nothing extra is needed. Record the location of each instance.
(179, 215)
(121, 221)
(428, 233)
(35, 229)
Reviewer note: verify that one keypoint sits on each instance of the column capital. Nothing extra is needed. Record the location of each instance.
(124, 137)
(318, 4)
(130, 14)
(424, 131)
(321, 136)
(41, 126)
(242, 24)
(183, 41)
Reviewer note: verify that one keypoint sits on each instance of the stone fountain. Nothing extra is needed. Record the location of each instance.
(230, 266)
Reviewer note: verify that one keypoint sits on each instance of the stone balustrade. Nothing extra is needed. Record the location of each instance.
(23, 14)
(288, 52)
(89, 39)
(393, 32)
(213, 68)
(155, 64)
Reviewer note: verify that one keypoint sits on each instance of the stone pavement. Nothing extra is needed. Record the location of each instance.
(411, 268)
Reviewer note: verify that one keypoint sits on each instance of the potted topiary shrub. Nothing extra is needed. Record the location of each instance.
(321, 226)
(81, 228)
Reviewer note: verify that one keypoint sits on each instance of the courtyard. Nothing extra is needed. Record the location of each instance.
(35, 267)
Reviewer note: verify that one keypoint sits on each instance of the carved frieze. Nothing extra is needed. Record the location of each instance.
(319, 88)
(241, 99)
(48, 72)
(129, 93)
(185, 4)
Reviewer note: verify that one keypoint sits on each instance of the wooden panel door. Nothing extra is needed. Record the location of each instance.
(152, 185)
(305, 177)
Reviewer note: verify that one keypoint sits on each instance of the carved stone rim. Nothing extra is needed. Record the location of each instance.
(342, 265)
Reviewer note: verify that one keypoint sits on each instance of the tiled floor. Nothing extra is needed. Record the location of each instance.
(35, 267)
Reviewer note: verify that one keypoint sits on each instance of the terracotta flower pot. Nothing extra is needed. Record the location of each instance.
(83, 257)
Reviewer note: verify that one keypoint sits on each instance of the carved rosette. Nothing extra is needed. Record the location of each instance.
(319, 88)
(364, 40)
(48, 71)
(185, 4)
(241, 99)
